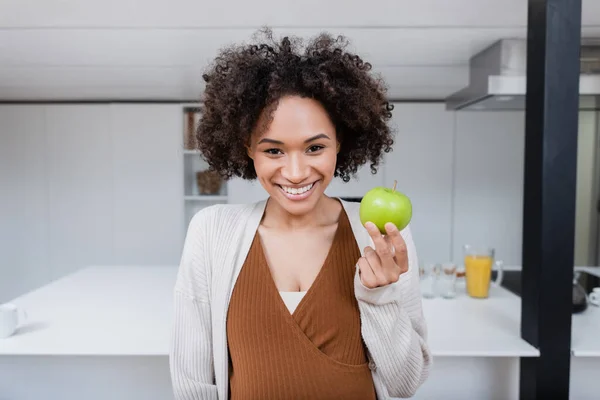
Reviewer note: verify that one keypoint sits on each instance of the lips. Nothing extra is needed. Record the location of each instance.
(298, 193)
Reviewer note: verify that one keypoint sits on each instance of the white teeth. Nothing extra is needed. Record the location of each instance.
(298, 190)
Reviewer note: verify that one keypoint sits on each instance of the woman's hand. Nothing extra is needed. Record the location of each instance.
(384, 264)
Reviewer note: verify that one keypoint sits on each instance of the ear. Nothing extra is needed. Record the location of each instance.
(249, 151)
(337, 149)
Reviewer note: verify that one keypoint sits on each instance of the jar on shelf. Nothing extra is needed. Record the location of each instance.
(190, 141)
(209, 182)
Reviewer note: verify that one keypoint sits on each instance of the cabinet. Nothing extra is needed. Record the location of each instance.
(488, 183)
(23, 200)
(80, 202)
(87, 184)
(146, 169)
(422, 163)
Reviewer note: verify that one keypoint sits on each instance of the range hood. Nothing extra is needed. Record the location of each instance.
(497, 78)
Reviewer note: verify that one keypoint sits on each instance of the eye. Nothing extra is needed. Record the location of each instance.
(273, 152)
(315, 148)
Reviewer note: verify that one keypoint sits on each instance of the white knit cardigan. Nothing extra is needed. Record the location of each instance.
(217, 242)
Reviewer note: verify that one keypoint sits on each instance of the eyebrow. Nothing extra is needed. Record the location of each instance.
(319, 136)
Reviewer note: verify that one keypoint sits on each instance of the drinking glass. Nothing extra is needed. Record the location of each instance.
(479, 263)
(446, 286)
(429, 277)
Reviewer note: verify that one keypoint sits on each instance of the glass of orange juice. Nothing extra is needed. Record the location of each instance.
(479, 263)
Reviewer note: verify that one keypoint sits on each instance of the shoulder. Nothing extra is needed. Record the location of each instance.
(352, 210)
(211, 221)
(219, 211)
(350, 206)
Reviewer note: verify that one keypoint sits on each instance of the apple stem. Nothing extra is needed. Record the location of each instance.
(395, 182)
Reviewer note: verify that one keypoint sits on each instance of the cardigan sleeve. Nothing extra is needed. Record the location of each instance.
(191, 355)
(394, 328)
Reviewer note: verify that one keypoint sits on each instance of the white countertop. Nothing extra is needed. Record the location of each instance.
(477, 327)
(127, 311)
(585, 337)
(98, 311)
(590, 270)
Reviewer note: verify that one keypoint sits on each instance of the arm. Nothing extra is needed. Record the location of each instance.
(191, 356)
(394, 328)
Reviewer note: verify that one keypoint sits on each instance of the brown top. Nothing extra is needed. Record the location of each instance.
(315, 353)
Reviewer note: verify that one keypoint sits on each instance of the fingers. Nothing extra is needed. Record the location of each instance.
(366, 273)
(375, 264)
(381, 247)
(384, 264)
(383, 276)
(400, 251)
(388, 241)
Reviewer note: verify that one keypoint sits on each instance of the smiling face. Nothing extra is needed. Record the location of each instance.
(295, 157)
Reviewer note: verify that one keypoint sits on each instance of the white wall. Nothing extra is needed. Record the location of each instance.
(24, 220)
(78, 161)
(464, 174)
(103, 184)
(87, 184)
(422, 163)
(488, 183)
(148, 184)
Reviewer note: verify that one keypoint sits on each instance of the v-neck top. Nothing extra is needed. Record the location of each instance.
(316, 351)
(217, 243)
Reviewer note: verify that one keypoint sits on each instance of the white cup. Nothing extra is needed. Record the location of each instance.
(10, 318)
(595, 297)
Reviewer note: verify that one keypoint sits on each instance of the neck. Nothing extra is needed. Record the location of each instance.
(325, 213)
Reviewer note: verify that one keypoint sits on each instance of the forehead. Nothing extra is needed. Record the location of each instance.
(297, 118)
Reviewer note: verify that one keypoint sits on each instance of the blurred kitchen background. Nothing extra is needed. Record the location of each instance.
(98, 99)
(107, 179)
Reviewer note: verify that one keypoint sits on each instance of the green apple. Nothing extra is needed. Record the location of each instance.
(381, 205)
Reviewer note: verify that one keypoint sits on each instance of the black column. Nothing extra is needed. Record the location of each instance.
(551, 123)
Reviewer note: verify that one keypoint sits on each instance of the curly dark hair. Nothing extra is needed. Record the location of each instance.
(246, 80)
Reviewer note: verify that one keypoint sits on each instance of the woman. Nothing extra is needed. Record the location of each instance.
(292, 297)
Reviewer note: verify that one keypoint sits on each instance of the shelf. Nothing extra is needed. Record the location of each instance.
(206, 197)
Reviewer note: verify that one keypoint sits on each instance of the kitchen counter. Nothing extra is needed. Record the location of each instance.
(99, 311)
(103, 332)
(585, 336)
(103, 311)
(464, 326)
(590, 270)
(585, 348)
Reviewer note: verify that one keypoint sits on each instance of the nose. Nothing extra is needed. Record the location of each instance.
(295, 169)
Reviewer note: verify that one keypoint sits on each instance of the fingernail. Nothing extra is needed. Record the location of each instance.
(390, 227)
(370, 225)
